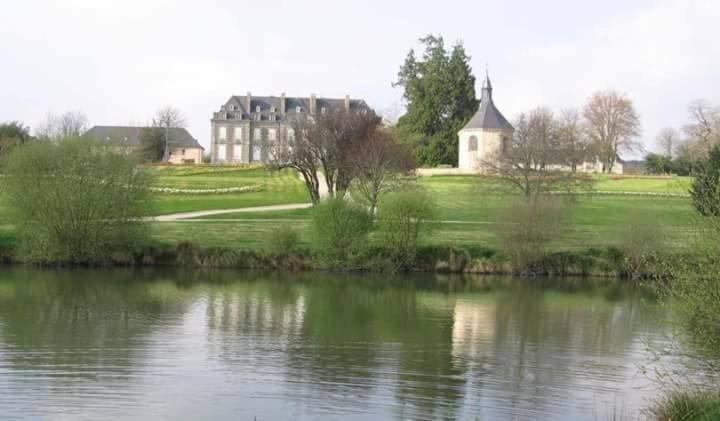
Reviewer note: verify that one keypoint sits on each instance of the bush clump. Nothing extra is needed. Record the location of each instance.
(403, 220)
(640, 243)
(700, 406)
(526, 229)
(282, 240)
(339, 231)
(705, 189)
(74, 200)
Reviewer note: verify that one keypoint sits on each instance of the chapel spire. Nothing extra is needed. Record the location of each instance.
(486, 87)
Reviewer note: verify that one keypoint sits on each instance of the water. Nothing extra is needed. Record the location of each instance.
(233, 345)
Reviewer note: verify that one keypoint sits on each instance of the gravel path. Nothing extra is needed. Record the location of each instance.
(198, 214)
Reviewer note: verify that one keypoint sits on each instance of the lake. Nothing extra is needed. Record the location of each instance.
(116, 344)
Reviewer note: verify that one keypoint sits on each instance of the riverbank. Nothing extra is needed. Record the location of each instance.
(590, 262)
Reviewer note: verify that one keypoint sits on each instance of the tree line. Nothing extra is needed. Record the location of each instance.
(439, 92)
(683, 151)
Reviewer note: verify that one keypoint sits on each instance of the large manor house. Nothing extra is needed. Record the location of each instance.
(246, 128)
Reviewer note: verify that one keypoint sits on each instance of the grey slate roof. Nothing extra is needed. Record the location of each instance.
(130, 136)
(239, 106)
(487, 116)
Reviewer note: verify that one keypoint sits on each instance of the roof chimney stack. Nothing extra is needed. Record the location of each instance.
(248, 100)
(347, 103)
(282, 103)
(313, 102)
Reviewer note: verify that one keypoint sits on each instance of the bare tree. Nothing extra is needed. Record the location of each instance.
(323, 142)
(167, 118)
(668, 139)
(533, 164)
(703, 131)
(298, 151)
(339, 131)
(68, 124)
(572, 139)
(379, 165)
(612, 124)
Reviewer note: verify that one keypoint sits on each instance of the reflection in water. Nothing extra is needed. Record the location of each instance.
(237, 345)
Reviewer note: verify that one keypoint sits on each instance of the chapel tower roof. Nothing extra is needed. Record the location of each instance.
(487, 116)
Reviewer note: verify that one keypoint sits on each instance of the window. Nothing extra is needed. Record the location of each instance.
(182, 152)
(291, 135)
(505, 144)
(237, 152)
(256, 152)
(221, 153)
(298, 109)
(472, 144)
(256, 134)
(272, 134)
(272, 109)
(222, 133)
(232, 107)
(323, 110)
(257, 108)
(238, 134)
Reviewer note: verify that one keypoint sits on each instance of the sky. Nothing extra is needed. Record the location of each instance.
(120, 61)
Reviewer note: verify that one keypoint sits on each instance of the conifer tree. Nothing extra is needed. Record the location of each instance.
(439, 89)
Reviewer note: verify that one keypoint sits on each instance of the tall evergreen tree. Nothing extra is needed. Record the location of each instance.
(439, 90)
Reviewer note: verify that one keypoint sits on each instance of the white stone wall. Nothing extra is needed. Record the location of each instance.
(489, 143)
(185, 156)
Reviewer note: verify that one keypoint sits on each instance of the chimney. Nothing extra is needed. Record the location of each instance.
(313, 101)
(347, 103)
(247, 102)
(282, 103)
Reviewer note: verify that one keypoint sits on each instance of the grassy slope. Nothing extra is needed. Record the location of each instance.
(277, 188)
(597, 220)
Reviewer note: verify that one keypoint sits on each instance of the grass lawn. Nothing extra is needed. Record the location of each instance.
(276, 188)
(597, 221)
(645, 184)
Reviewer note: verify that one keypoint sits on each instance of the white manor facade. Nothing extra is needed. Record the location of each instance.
(247, 128)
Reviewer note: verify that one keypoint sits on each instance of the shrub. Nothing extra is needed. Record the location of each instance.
(526, 229)
(705, 190)
(339, 230)
(283, 240)
(700, 406)
(640, 242)
(74, 200)
(403, 219)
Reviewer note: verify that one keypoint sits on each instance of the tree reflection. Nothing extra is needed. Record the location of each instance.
(82, 323)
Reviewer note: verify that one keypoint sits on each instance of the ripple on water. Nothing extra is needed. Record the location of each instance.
(310, 348)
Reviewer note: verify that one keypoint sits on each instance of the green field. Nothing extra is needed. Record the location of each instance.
(467, 214)
(274, 188)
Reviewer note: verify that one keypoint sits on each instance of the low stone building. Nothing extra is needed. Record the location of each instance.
(246, 127)
(183, 148)
(486, 135)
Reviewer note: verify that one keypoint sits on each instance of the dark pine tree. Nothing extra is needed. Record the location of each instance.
(439, 90)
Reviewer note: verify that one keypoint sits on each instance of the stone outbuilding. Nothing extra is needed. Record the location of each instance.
(486, 135)
(182, 147)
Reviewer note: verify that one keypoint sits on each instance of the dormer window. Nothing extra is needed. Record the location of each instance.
(272, 109)
(298, 109)
(323, 110)
(232, 107)
(257, 108)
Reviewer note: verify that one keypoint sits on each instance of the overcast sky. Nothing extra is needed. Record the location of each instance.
(119, 61)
